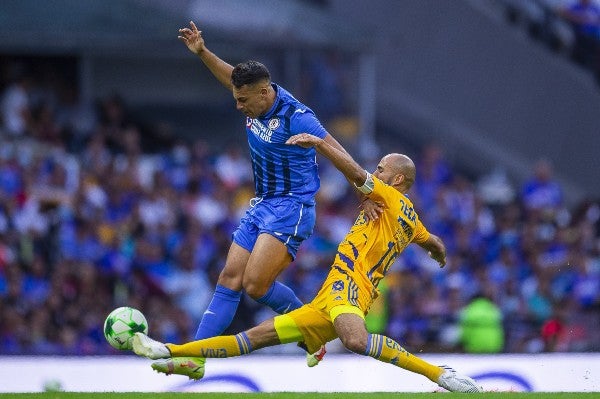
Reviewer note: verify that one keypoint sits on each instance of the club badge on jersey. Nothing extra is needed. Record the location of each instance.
(274, 123)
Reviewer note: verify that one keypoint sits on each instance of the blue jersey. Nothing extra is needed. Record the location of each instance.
(280, 169)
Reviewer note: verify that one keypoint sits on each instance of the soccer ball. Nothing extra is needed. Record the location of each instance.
(121, 324)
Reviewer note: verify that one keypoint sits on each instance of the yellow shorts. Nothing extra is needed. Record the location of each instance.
(313, 322)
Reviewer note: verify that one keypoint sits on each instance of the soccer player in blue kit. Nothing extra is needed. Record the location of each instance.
(286, 180)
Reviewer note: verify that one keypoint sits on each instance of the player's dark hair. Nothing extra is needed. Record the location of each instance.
(249, 72)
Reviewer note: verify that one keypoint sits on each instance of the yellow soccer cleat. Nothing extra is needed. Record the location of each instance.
(192, 367)
(315, 358)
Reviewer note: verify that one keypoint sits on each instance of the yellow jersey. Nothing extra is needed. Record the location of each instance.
(370, 248)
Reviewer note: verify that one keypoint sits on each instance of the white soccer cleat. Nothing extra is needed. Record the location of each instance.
(313, 359)
(143, 345)
(454, 382)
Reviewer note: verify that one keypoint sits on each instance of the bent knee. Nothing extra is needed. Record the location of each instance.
(230, 279)
(256, 289)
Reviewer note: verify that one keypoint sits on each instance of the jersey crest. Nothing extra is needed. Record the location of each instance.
(274, 123)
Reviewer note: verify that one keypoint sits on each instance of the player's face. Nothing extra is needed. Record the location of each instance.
(385, 172)
(251, 100)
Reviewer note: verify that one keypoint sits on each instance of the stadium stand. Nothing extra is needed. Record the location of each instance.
(103, 204)
(119, 222)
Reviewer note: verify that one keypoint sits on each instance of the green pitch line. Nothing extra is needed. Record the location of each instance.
(298, 395)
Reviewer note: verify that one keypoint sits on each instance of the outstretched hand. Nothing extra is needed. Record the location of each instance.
(192, 38)
(439, 257)
(304, 140)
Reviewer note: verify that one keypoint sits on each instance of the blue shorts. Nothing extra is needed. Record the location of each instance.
(286, 219)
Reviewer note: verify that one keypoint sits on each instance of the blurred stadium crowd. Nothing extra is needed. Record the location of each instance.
(571, 27)
(97, 212)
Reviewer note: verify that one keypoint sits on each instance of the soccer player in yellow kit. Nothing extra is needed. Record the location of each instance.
(339, 308)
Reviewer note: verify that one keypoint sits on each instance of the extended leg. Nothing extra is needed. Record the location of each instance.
(188, 359)
(353, 334)
(243, 343)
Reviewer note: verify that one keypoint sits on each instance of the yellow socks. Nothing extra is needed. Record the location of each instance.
(379, 347)
(222, 346)
(387, 350)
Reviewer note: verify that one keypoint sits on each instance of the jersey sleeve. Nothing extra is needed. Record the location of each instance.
(421, 233)
(377, 190)
(304, 121)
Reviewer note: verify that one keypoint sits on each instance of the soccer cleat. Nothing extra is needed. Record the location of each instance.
(192, 367)
(454, 382)
(143, 345)
(313, 359)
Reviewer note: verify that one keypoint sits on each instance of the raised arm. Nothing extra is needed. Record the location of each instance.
(194, 41)
(371, 209)
(340, 158)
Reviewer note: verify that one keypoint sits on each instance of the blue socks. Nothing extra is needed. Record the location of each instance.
(219, 314)
(280, 298)
(225, 302)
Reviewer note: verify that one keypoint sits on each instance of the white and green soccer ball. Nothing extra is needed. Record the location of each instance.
(121, 324)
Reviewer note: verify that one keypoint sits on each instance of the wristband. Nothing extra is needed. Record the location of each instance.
(368, 185)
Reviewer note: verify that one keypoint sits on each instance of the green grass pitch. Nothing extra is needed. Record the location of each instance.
(298, 395)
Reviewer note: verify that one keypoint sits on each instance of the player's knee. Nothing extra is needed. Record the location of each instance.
(255, 288)
(354, 343)
(230, 279)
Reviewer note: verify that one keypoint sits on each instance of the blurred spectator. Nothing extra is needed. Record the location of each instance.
(553, 330)
(542, 192)
(495, 188)
(584, 15)
(188, 285)
(77, 118)
(433, 172)
(481, 326)
(113, 119)
(44, 126)
(233, 167)
(16, 107)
